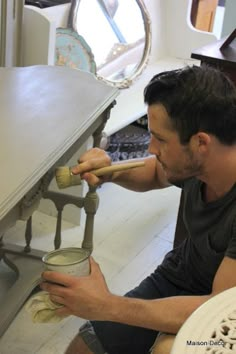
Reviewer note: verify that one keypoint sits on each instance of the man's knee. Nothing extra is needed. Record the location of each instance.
(163, 344)
(78, 346)
(86, 342)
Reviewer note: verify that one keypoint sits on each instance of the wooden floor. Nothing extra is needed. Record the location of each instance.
(133, 231)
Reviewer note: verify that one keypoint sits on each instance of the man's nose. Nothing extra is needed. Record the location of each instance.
(153, 147)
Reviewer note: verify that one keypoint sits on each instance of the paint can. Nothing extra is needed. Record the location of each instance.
(71, 260)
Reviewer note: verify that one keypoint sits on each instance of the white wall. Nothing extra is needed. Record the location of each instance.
(39, 33)
(172, 33)
(156, 8)
(11, 13)
(182, 37)
(229, 23)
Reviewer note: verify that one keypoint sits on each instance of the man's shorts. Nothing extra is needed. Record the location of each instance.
(116, 338)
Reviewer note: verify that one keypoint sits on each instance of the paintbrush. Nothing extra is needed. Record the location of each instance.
(65, 178)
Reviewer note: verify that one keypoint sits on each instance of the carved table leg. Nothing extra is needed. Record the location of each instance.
(91, 202)
(57, 238)
(28, 277)
(98, 134)
(1, 245)
(28, 234)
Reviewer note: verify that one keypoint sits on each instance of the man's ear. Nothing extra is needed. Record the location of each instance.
(201, 141)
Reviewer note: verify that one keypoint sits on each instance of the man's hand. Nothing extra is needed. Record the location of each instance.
(85, 297)
(92, 159)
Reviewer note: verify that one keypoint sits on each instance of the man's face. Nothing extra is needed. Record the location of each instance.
(178, 161)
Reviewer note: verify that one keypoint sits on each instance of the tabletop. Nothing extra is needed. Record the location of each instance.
(44, 110)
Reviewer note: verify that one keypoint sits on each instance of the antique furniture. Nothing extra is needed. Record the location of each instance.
(47, 113)
(219, 54)
(211, 328)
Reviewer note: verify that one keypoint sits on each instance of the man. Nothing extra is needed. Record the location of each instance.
(192, 121)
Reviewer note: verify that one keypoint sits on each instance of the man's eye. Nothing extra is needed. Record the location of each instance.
(158, 138)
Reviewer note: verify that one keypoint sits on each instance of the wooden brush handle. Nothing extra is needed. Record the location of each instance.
(117, 167)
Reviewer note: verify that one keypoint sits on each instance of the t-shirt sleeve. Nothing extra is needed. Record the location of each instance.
(183, 184)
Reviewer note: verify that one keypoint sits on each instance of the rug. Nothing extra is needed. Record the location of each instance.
(130, 142)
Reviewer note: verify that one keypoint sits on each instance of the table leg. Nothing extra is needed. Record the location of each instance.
(28, 267)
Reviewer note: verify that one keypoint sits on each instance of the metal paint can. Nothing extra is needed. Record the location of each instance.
(71, 260)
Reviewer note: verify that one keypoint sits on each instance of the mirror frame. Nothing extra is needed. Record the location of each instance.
(127, 82)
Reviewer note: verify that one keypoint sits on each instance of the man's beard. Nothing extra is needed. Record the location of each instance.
(191, 168)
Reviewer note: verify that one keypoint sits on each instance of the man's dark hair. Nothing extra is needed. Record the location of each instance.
(196, 99)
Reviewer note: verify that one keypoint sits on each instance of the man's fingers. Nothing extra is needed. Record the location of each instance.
(94, 265)
(57, 299)
(91, 160)
(91, 179)
(53, 289)
(84, 167)
(63, 312)
(56, 277)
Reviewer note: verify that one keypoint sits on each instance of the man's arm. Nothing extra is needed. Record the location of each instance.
(169, 314)
(149, 177)
(89, 298)
(140, 179)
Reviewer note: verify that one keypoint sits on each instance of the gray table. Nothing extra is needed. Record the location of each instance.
(47, 113)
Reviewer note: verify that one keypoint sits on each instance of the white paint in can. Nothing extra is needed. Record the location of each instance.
(71, 260)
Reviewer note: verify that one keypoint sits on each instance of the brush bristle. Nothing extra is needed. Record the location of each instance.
(65, 178)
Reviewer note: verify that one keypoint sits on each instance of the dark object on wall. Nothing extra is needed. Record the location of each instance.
(46, 3)
(221, 3)
(230, 42)
(221, 58)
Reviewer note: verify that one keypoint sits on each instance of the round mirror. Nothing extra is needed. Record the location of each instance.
(119, 35)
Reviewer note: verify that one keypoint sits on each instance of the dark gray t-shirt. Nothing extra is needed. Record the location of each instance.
(211, 236)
